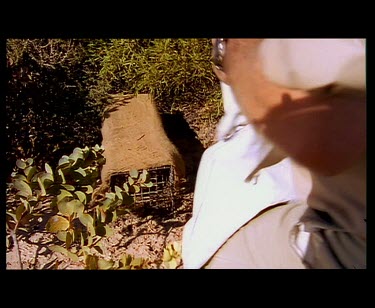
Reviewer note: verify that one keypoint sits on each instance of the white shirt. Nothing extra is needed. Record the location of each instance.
(224, 198)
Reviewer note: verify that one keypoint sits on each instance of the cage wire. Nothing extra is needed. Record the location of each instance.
(161, 194)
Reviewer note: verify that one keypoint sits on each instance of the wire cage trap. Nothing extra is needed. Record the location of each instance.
(161, 193)
(134, 139)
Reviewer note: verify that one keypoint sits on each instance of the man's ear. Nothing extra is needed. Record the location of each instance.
(220, 74)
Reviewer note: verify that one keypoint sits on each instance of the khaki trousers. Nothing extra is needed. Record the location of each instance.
(262, 243)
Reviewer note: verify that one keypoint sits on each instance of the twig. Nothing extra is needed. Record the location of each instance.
(15, 241)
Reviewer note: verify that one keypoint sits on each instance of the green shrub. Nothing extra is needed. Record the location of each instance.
(66, 194)
(46, 110)
(173, 71)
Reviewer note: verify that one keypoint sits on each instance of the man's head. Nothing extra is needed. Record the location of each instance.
(321, 122)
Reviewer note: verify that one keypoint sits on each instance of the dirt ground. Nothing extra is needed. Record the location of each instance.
(145, 235)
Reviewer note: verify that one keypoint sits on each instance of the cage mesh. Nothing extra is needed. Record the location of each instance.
(160, 194)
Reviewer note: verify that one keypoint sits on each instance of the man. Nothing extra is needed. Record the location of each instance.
(285, 185)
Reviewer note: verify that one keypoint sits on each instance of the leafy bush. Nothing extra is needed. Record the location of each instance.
(173, 71)
(46, 108)
(65, 195)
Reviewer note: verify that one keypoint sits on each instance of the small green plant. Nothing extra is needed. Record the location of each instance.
(126, 262)
(78, 224)
(172, 255)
